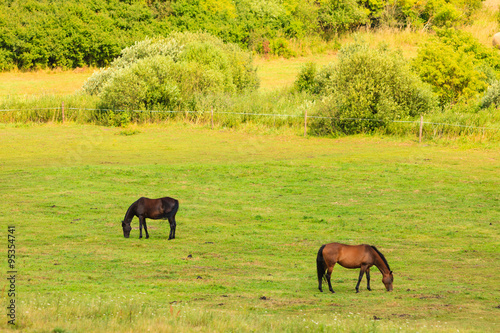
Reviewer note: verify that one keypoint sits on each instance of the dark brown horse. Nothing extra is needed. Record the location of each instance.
(144, 208)
(352, 256)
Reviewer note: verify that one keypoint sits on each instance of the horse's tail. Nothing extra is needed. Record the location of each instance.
(320, 264)
(175, 208)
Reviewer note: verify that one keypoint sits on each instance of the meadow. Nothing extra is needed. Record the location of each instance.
(256, 203)
(255, 206)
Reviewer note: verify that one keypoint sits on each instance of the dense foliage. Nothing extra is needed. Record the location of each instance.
(457, 65)
(39, 34)
(57, 33)
(170, 73)
(366, 83)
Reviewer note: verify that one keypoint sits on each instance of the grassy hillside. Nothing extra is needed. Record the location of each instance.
(254, 209)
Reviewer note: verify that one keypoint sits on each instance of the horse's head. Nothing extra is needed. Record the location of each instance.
(126, 229)
(387, 279)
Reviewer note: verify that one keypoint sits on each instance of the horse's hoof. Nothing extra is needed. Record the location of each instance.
(321, 290)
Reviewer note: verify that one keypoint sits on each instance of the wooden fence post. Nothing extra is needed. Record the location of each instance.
(421, 128)
(62, 111)
(305, 123)
(212, 116)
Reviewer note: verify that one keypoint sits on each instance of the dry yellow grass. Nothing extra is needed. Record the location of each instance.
(485, 22)
(43, 82)
(406, 40)
(278, 73)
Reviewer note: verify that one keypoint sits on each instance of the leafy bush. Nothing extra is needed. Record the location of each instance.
(456, 65)
(69, 34)
(280, 47)
(168, 73)
(434, 13)
(305, 79)
(336, 16)
(365, 83)
(6, 62)
(491, 96)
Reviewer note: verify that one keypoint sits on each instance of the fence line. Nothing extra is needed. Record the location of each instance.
(288, 115)
(305, 116)
(10, 110)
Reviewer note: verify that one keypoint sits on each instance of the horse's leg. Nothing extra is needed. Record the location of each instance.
(141, 221)
(171, 220)
(328, 278)
(145, 228)
(175, 226)
(361, 272)
(368, 279)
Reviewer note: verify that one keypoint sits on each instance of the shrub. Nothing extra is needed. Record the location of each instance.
(305, 79)
(462, 41)
(492, 96)
(443, 14)
(280, 47)
(336, 16)
(452, 74)
(434, 13)
(375, 84)
(5, 60)
(167, 73)
(456, 65)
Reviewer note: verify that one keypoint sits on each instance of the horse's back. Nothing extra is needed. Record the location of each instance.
(348, 256)
(160, 208)
(169, 203)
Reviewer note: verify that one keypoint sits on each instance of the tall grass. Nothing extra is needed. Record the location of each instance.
(450, 124)
(268, 110)
(276, 108)
(125, 314)
(48, 108)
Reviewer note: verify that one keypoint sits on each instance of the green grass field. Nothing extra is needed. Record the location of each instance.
(256, 204)
(254, 209)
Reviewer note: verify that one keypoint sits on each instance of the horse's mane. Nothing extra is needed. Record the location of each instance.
(129, 209)
(381, 256)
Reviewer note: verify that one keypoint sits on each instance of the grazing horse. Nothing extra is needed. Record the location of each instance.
(162, 208)
(352, 256)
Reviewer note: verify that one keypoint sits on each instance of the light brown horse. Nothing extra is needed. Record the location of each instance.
(352, 256)
(162, 208)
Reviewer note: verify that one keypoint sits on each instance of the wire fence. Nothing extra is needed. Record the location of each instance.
(213, 113)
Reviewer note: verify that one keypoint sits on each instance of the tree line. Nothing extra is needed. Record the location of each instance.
(70, 34)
